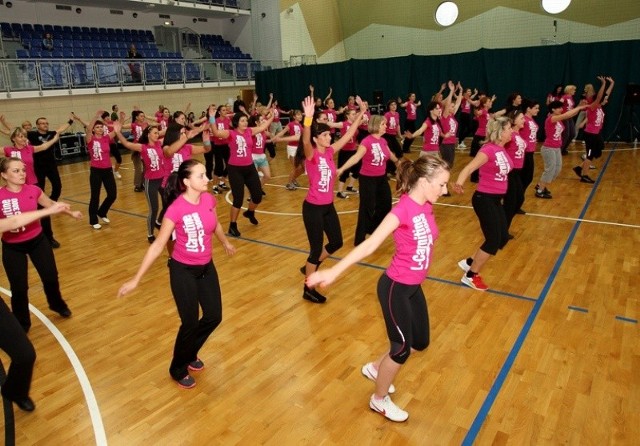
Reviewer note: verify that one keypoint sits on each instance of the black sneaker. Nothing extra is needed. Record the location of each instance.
(64, 312)
(586, 179)
(223, 186)
(151, 238)
(233, 231)
(313, 296)
(352, 189)
(55, 244)
(216, 190)
(342, 195)
(543, 194)
(521, 212)
(578, 171)
(251, 216)
(138, 189)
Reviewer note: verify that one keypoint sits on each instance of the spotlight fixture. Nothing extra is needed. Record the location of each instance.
(446, 14)
(78, 10)
(263, 15)
(135, 15)
(555, 6)
(233, 20)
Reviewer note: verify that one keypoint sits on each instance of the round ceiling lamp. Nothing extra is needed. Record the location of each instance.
(555, 6)
(446, 13)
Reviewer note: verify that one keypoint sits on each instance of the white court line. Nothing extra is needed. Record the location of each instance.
(556, 217)
(92, 404)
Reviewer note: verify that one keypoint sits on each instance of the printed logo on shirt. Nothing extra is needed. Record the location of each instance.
(242, 146)
(521, 146)
(11, 207)
(378, 155)
(502, 162)
(96, 151)
(533, 130)
(392, 122)
(154, 159)
(557, 132)
(435, 137)
(424, 241)
(325, 175)
(194, 230)
(16, 154)
(176, 160)
(259, 141)
(599, 117)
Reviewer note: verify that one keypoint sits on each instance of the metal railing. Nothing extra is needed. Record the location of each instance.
(68, 74)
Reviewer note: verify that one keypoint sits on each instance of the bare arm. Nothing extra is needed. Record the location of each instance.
(474, 164)
(151, 255)
(339, 144)
(20, 220)
(353, 160)
(327, 276)
(308, 105)
(570, 114)
(46, 202)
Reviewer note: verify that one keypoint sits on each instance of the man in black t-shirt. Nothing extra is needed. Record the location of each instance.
(44, 163)
(134, 67)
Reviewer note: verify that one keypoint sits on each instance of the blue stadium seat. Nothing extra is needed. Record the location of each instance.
(22, 54)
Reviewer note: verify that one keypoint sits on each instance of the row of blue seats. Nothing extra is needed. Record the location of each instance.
(137, 40)
(62, 44)
(16, 29)
(90, 53)
(229, 55)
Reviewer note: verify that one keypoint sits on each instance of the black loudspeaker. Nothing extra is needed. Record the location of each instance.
(378, 96)
(633, 94)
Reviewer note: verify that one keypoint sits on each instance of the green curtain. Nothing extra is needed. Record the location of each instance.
(531, 71)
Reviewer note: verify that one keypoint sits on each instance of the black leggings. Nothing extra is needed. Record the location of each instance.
(193, 286)
(152, 192)
(343, 157)
(49, 171)
(465, 126)
(241, 176)
(569, 133)
(473, 151)
(395, 148)
(375, 204)
(448, 153)
(114, 149)
(514, 197)
(526, 173)
(14, 259)
(221, 154)
(14, 341)
(98, 177)
(488, 208)
(406, 317)
(320, 220)
(409, 126)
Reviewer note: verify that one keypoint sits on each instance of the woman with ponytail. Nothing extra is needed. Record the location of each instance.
(412, 223)
(191, 215)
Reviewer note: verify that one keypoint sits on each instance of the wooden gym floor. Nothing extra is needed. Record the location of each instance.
(550, 355)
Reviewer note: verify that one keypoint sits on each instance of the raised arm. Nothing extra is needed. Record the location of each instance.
(607, 93)
(339, 144)
(117, 128)
(570, 114)
(264, 126)
(308, 106)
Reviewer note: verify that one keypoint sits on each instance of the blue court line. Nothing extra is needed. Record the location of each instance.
(627, 319)
(580, 309)
(481, 416)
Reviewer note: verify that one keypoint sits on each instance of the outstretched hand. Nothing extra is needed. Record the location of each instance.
(308, 106)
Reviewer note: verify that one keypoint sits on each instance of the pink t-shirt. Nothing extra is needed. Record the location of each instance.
(374, 161)
(431, 135)
(529, 133)
(172, 164)
(221, 124)
(294, 128)
(276, 115)
(414, 239)
(321, 171)
(259, 140)
(412, 109)
(194, 225)
(14, 203)
(153, 160)
(364, 123)
(515, 149)
(332, 116)
(449, 125)
(352, 144)
(567, 103)
(26, 155)
(465, 106)
(136, 130)
(483, 119)
(493, 173)
(393, 122)
(595, 120)
(240, 145)
(553, 133)
(163, 123)
(99, 152)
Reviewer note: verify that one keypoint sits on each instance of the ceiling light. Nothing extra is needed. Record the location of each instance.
(555, 6)
(446, 14)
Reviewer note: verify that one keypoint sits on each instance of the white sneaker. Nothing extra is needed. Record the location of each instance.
(462, 146)
(369, 371)
(117, 174)
(387, 408)
(464, 266)
(96, 226)
(105, 220)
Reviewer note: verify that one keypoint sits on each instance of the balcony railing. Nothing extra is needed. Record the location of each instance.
(18, 75)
